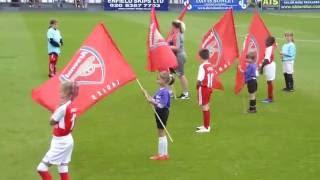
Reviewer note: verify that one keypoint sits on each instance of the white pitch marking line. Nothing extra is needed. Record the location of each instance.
(295, 15)
(299, 40)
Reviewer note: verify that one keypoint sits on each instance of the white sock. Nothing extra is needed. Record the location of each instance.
(186, 93)
(63, 168)
(165, 145)
(160, 147)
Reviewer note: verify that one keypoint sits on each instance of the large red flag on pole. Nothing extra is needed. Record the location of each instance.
(98, 67)
(254, 42)
(160, 55)
(221, 41)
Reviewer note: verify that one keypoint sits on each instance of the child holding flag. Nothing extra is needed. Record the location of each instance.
(176, 42)
(204, 87)
(251, 81)
(161, 102)
(54, 44)
(288, 54)
(61, 147)
(268, 67)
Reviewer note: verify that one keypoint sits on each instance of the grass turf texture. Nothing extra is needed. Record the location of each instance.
(115, 138)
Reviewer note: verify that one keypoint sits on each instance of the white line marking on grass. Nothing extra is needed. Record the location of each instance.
(308, 40)
(298, 40)
(295, 15)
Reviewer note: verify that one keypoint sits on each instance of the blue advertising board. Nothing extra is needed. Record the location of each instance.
(135, 5)
(299, 4)
(212, 5)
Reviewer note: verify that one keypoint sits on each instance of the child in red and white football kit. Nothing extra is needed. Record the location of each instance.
(268, 67)
(204, 87)
(61, 147)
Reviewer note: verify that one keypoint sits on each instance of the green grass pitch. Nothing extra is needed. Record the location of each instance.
(114, 140)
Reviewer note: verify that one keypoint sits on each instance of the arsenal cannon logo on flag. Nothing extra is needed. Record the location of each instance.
(250, 45)
(213, 43)
(221, 41)
(98, 67)
(88, 69)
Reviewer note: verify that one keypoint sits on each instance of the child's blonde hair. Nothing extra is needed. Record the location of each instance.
(179, 24)
(165, 76)
(68, 88)
(289, 33)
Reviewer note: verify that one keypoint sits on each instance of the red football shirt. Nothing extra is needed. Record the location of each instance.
(65, 116)
(206, 74)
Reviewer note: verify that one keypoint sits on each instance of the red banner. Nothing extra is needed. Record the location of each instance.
(98, 67)
(221, 41)
(160, 55)
(254, 42)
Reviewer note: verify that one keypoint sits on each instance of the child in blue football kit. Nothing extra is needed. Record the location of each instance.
(251, 81)
(288, 54)
(161, 103)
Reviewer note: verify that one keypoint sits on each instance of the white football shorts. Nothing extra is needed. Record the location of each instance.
(287, 67)
(269, 71)
(60, 150)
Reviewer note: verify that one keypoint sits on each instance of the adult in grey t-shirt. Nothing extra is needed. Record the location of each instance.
(176, 42)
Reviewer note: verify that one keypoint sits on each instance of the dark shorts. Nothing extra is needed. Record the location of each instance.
(252, 86)
(164, 114)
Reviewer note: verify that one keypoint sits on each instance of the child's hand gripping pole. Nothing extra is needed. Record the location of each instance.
(147, 97)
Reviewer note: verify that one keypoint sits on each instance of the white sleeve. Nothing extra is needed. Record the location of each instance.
(59, 114)
(268, 53)
(201, 73)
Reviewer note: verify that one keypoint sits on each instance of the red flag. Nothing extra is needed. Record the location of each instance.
(183, 12)
(254, 42)
(98, 67)
(221, 41)
(217, 84)
(160, 55)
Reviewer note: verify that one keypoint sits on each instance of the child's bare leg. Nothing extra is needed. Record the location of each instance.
(184, 84)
